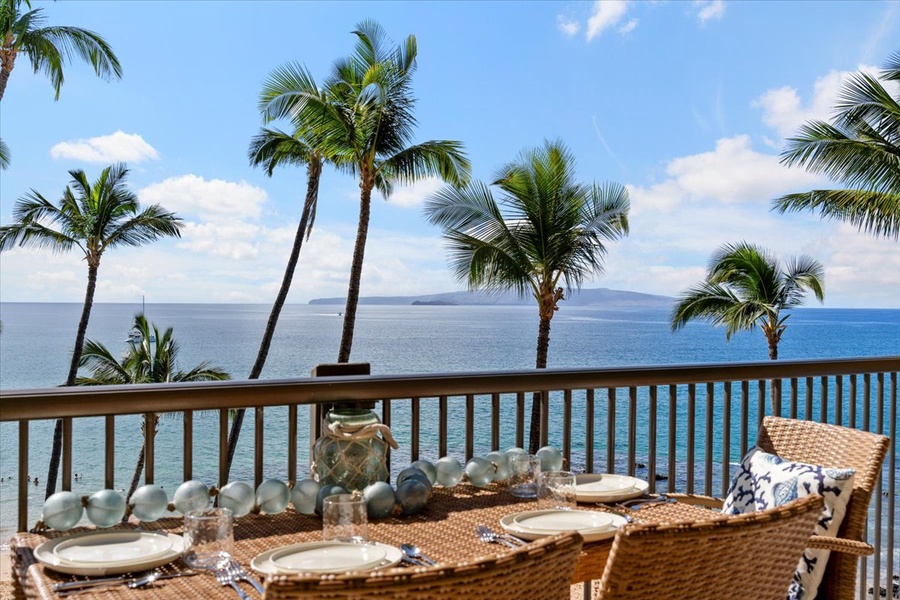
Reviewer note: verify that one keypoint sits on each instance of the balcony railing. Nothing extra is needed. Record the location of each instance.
(680, 427)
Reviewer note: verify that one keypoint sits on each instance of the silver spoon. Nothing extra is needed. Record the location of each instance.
(414, 552)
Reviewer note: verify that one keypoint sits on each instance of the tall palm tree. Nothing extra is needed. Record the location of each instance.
(745, 287)
(49, 47)
(269, 149)
(143, 362)
(860, 148)
(546, 227)
(365, 119)
(92, 218)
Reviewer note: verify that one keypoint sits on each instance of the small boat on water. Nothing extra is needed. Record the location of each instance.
(135, 336)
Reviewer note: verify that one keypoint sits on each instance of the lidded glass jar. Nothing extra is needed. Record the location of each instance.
(351, 453)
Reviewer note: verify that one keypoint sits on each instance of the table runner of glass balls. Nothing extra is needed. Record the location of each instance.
(105, 508)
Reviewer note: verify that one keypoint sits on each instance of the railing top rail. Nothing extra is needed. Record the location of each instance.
(18, 405)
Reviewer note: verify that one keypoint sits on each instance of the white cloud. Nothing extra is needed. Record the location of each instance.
(116, 147)
(569, 27)
(733, 172)
(628, 27)
(234, 240)
(606, 14)
(215, 200)
(709, 9)
(784, 111)
(411, 196)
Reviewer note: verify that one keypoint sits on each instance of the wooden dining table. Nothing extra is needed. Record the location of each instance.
(445, 531)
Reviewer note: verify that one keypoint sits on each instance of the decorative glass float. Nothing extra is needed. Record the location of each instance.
(352, 452)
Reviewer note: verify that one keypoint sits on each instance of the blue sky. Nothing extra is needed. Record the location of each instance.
(686, 103)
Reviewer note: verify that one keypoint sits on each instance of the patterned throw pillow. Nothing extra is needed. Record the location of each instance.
(765, 480)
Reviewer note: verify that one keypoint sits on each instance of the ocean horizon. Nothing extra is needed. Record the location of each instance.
(37, 338)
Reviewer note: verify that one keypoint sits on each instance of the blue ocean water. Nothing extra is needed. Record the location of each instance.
(36, 343)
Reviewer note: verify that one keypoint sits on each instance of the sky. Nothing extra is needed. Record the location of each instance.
(688, 104)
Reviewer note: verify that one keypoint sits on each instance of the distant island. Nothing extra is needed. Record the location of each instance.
(607, 298)
(433, 303)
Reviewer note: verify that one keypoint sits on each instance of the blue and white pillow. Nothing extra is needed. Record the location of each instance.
(766, 480)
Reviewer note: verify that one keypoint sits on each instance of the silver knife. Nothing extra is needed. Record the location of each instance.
(112, 581)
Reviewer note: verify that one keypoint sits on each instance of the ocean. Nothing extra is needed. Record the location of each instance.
(37, 339)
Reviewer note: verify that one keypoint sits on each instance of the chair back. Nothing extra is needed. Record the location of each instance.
(752, 555)
(541, 570)
(839, 447)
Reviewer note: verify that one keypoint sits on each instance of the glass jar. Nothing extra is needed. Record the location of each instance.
(351, 453)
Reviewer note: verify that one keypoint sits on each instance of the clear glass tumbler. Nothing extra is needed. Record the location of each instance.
(556, 489)
(344, 518)
(523, 472)
(208, 537)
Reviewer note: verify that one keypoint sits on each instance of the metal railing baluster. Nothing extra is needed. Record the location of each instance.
(187, 468)
(651, 435)
(109, 450)
(673, 428)
(632, 429)
(691, 435)
(589, 431)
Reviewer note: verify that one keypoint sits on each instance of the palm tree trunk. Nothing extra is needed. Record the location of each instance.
(365, 205)
(4, 77)
(314, 172)
(543, 346)
(56, 449)
(136, 478)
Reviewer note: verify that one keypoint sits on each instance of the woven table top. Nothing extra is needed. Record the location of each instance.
(445, 531)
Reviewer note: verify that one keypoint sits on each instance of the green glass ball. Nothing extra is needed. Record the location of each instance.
(304, 496)
(238, 497)
(191, 495)
(273, 496)
(429, 469)
(148, 503)
(480, 471)
(105, 508)
(412, 495)
(380, 500)
(62, 511)
(449, 471)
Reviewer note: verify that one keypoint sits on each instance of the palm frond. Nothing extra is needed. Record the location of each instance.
(873, 212)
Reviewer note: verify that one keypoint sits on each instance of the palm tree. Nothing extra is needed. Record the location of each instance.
(93, 218)
(4, 156)
(861, 148)
(271, 148)
(49, 48)
(365, 120)
(545, 228)
(144, 362)
(746, 287)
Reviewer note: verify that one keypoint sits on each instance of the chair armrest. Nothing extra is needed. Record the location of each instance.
(697, 500)
(835, 544)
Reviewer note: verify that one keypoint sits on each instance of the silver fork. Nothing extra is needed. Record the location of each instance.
(488, 535)
(225, 578)
(238, 572)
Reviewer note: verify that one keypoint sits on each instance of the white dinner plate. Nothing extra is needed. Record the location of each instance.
(46, 553)
(293, 558)
(113, 547)
(589, 534)
(555, 520)
(607, 487)
(326, 556)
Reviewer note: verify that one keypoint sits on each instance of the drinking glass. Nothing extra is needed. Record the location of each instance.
(344, 518)
(556, 489)
(208, 537)
(523, 472)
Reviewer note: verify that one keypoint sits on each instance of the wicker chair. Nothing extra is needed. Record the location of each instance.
(830, 446)
(725, 557)
(539, 571)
